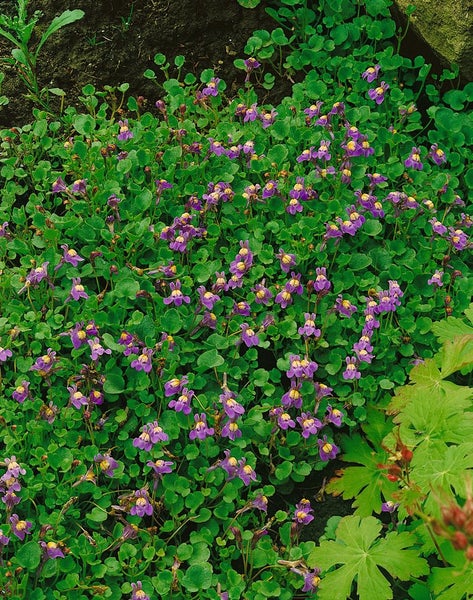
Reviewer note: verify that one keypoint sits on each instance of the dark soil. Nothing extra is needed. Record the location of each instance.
(116, 41)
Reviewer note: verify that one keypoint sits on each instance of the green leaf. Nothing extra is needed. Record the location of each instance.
(210, 359)
(114, 383)
(367, 482)
(359, 262)
(198, 577)
(455, 582)
(28, 555)
(362, 554)
(456, 354)
(66, 18)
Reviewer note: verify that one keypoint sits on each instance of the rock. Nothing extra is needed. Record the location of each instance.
(447, 27)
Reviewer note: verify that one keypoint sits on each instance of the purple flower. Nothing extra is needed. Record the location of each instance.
(176, 297)
(156, 433)
(267, 118)
(458, 238)
(294, 207)
(351, 371)
(21, 392)
(232, 408)
(229, 464)
(334, 416)
(183, 403)
(151, 434)
(262, 294)
(245, 472)
(201, 430)
(251, 113)
(96, 397)
(371, 73)
(286, 260)
(251, 64)
(285, 421)
(137, 592)
(436, 279)
(248, 147)
(375, 179)
(45, 363)
(248, 336)
(143, 441)
(313, 110)
(260, 502)
(377, 93)
(231, 430)
(270, 189)
(5, 354)
(332, 231)
(35, 276)
(124, 132)
(413, 160)
(284, 298)
(79, 186)
(294, 285)
(293, 397)
(78, 335)
(327, 450)
(307, 155)
(76, 397)
(301, 367)
(344, 306)
(51, 550)
(20, 528)
(323, 151)
(241, 308)
(389, 506)
(96, 349)
(10, 498)
(160, 467)
(14, 469)
(209, 320)
(322, 390)
(321, 283)
(302, 513)
(207, 299)
(48, 412)
(216, 147)
(69, 256)
(437, 155)
(59, 186)
(142, 505)
(77, 290)
(309, 329)
(108, 465)
(211, 89)
(144, 361)
(175, 386)
(4, 540)
(437, 227)
(311, 581)
(310, 425)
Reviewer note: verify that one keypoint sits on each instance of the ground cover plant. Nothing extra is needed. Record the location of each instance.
(204, 304)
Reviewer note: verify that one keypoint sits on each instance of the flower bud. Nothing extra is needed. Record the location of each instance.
(459, 540)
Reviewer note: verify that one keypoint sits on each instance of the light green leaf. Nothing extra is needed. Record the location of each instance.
(361, 554)
(367, 482)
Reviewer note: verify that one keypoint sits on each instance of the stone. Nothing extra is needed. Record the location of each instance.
(447, 27)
